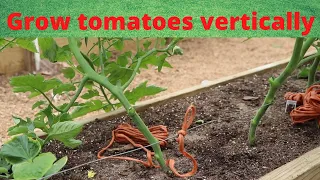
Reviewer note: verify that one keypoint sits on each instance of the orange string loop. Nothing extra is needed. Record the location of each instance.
(188, 119)
(125, 133)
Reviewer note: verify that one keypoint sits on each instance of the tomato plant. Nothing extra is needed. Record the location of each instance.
(297, 60)
(104, 83)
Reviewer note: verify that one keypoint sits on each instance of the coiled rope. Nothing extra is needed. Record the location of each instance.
(308, 105)
(126, 134)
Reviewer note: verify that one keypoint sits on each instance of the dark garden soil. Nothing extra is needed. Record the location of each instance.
(220, 147)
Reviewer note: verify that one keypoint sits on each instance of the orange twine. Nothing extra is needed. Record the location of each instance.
(125, 133)
(309, 102)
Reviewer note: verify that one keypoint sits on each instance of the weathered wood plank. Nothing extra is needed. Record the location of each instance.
(305, 167)
(29, 62)
(12, 61)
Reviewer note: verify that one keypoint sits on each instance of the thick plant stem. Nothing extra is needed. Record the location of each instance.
(306, 46)
(143, 129)
(312, 72)
(274, 86)
(117, 91)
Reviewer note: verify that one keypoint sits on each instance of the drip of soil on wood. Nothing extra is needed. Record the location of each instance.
(220, 147)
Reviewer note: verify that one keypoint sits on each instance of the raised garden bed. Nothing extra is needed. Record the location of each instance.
(220, 147)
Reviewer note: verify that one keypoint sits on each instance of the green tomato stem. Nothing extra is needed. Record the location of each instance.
(74, 98)
(274, 86)
(312, 72)
(118, 93)
(306, 46)
(309, 58)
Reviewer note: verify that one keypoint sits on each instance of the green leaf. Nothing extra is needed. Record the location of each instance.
(65, 132)
(18, 130)
(146, 44)
(27, 43)
(20, 148)
(3, 170)
(38, 103)
(48, 113)
(117, 73)
(27, 83)
(90, 94)
(63, 117)
(4, 165)
(80, 69)
(304, 72)
(86, 108)
(21, 126)
(17, 120)
(152, 60)
(63, 54)
(177, 50)
(122, 60)
(49, 48)
(39, 123)
(162, 60)
(57, 166)
(71, 143)
(34, 169)
(64, 88)
(49, 84)
(163, 41)
(118, 45)
(2, 42)
(33, 83)
(68, 73)
(89, 85)
(94, 58)
(141, 91)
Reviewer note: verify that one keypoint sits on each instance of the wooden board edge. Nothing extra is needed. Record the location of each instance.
(305, 167)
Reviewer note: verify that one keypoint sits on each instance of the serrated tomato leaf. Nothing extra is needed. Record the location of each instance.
(117, 73)
(63, 53)
(48, 48)
(152, 59)
(27, 43)
(86, 108)
(64, 88)
(118, 45)
(38, 104)
(68, 73)
(90, 94)
(21, 126)
(33, 83)
(146, 44)
(66, 132)
(141, 91)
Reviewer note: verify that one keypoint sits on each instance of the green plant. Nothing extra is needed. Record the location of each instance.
(103, 85)
(297, 60)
